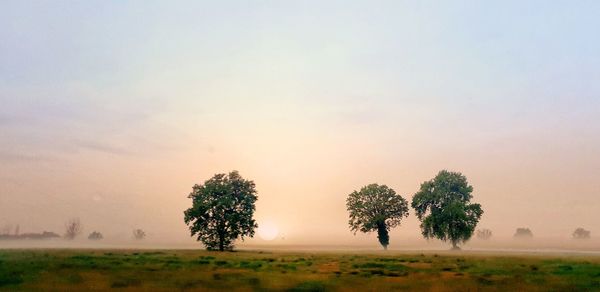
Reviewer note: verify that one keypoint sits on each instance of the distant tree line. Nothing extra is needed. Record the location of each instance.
(73, 228)
(43, 235)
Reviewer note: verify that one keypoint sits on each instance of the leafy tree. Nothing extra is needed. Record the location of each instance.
(581, 233)
(139, 234)
(73, 228)
(376, 208)
(222, 210)
(523, 233)
(484, 234)
(95, 236)
(444, 209)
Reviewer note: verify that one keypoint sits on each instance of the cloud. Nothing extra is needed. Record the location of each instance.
(11, 157)
(78, 118)
(103, 148)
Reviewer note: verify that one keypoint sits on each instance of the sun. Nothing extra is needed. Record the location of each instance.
(267, 230)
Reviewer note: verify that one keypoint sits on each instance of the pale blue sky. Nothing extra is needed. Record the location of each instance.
(139, 100)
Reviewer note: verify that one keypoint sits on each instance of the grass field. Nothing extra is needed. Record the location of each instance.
(60, 270)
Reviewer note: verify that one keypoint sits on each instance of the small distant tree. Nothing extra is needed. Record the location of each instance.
(443, 205)
(6, 229)
(523, 233)
(73, 228)
(376, 208)
(222, 211)
(139, 234)
(484, 234)
(95, 236)
(581, 233)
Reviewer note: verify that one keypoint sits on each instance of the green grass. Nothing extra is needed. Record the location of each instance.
(164, 270)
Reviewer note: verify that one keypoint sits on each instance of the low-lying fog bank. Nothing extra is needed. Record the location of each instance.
(535, 245)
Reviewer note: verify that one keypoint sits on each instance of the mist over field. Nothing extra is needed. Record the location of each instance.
(111, 112)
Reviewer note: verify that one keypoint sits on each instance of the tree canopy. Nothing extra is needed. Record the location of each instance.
(581, 233)
(444, 209)
(222, 210)
(73, 228)
(139, 234)
(523, 232)
(376, 208)
(95, 236)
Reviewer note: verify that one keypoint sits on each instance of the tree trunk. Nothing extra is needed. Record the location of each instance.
(382, 235)
(221, 247)
(455, 246)
(221, 241)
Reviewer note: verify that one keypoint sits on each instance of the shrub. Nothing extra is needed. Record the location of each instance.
(581, 233)
(523, 233)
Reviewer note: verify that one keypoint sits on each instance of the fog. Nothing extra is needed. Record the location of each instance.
(111, 114)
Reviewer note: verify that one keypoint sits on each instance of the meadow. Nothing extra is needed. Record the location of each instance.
(191, 270)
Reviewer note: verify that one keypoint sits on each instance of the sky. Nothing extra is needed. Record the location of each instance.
(111, 111)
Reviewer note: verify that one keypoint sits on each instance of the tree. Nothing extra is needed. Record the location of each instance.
(376, 208)
(484, 234)
(581, 233)
(6, 229)
(444, 209)
(95, 236)
(73, 228)
(139, 234)
(222, 210)
(523, 233)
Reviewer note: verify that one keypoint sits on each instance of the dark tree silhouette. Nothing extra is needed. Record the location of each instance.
(484, 234)
(581, 233)
(523, 233)
(376, 208)
(444, 209)
(95, 236)
(222, 210)
(73, 228)
(139, 234)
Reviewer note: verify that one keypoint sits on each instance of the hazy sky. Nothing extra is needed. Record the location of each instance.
(110, 110)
